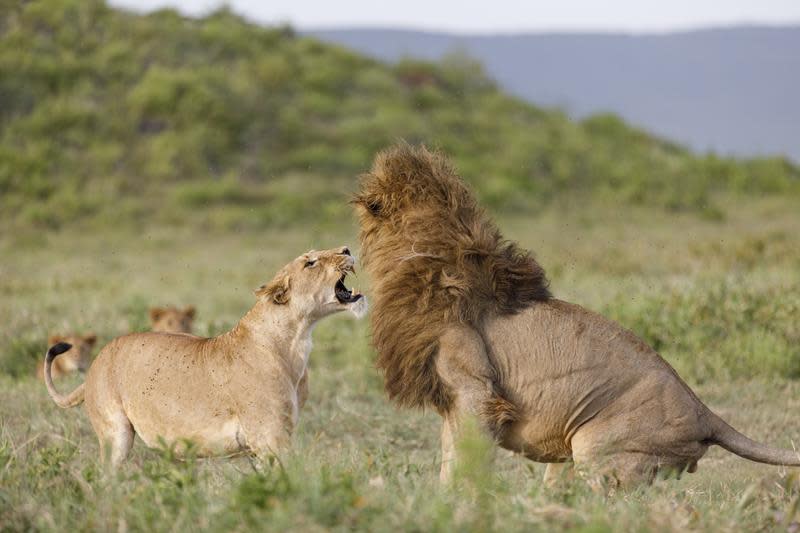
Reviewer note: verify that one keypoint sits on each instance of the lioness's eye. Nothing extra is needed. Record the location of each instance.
(310, 263)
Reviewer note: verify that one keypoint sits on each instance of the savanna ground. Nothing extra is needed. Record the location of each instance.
(719, 298)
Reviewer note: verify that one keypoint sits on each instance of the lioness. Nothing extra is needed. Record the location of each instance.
(463, 322)
(76, 359)
(171, 319)
(234, 393)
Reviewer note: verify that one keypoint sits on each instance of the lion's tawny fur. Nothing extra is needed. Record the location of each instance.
(463, 321)
(437, 259)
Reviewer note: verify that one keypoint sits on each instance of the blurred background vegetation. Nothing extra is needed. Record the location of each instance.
(112, 117)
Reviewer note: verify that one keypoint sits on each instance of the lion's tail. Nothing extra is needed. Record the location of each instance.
(733, 441)
(73, 398)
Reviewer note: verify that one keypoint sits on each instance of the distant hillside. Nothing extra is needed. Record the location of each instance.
(117, 116)
(732, 90)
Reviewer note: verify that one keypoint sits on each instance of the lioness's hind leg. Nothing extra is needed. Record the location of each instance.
(116, 440)
(114, 430)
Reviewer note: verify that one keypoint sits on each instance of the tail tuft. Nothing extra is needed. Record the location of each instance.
(57, 349)
(72, 399)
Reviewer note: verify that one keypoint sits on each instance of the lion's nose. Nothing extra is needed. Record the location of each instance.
(345, 251)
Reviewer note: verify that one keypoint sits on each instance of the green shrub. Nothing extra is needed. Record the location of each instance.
(162, 105)
(720, 330)
(21, 354)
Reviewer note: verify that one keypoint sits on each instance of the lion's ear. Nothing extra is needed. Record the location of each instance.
(156, 313)
(276, 290)
(54, 339)
(373, 205)
(90, 339)
(189, 311)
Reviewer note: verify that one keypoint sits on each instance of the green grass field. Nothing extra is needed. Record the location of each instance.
(720, 299)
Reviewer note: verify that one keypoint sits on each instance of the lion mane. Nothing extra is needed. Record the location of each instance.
(435, 259)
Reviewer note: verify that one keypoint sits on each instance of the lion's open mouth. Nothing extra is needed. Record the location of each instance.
(345, 295)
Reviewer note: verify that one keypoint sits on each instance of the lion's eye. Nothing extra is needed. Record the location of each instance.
(310, 263)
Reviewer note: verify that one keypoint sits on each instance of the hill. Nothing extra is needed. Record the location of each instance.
(114, 116)
(731, 90)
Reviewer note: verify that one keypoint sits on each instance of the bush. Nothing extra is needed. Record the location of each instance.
(722, 330)
(151, 103)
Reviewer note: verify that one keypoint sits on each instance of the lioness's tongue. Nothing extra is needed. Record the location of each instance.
(342, 291)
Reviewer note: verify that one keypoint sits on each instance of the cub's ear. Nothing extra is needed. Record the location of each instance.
(54, 339)
(189, 311)
(156, 313)
(277, 290)
(90, 339)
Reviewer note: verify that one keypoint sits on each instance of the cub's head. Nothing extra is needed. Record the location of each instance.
(79, 357)
(172, 319)
(313, 285)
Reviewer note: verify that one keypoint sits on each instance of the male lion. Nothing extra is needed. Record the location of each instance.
(234, 393)
(171, 319)
(463, 322)
(76, 359)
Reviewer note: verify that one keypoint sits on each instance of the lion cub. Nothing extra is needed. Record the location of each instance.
(78, 358)
(171, 319)
(235, 393)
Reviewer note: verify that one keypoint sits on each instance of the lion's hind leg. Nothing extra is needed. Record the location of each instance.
(615, 467)
(624, 470)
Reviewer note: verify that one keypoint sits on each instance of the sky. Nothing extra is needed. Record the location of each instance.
(499, 16)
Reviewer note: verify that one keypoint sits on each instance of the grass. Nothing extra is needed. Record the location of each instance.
(719, 298)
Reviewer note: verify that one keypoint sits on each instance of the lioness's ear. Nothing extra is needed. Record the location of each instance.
(277, 289)
(54, 339)
(189, 311)
(90, 339)
(155, 313)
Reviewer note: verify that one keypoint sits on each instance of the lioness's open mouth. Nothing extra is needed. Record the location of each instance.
(343, 294)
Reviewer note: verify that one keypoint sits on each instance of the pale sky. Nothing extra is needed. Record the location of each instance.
(499, 16)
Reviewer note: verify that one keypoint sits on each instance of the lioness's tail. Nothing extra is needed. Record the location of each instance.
(73, 398)
(733, 441)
